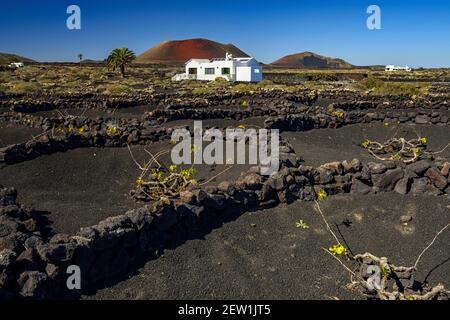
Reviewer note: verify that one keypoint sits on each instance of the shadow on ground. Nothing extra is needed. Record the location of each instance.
(262, 255)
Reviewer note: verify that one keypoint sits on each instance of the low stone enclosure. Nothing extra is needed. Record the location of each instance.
(262, 99)
(65, 132)
(38, 102)
(33, 265)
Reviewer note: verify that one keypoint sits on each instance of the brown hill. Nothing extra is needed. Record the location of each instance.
(6, 58)
(183, 50)
(310, 60)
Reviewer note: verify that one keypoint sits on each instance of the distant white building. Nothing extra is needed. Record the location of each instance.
(397, 68)
(16, 65)
(229, 68)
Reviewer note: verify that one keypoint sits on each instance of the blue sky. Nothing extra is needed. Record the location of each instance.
(416, 33)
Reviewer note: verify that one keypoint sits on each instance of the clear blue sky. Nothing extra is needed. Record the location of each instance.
(416, 33)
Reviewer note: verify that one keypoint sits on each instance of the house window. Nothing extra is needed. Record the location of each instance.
(256, 71)
(225, 71)
(192, 71)
(209, 70)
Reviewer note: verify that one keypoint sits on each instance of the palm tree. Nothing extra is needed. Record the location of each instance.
(80, 56)
(120, 58)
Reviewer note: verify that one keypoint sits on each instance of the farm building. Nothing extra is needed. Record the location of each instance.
(16, 65)
(396, 68)
(229, 68)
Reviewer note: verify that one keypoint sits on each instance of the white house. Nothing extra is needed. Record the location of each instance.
(229, 68)
(16, 65)
(396, 68)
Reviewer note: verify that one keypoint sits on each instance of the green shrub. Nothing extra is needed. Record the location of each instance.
(21, 86)
(244, 87)
(190, 84)
(72, 84)
(319, 76)
(202, 90)
(218, 83)
(206, 87)
(48, 75)
(369, 83)
(117, 89)
(220, 80)
(265, 83)
(96, 75)
(379, 87)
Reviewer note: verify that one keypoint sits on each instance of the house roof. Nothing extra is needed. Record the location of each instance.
(197, 60)
(241, 61)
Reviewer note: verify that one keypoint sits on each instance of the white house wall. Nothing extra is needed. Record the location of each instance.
(249, 74)
(217, 65)
(240, 70)
(244, 74)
